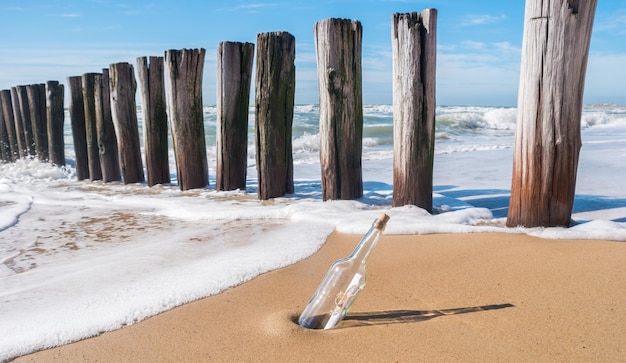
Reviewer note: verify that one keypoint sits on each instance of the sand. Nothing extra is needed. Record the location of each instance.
(455, 297)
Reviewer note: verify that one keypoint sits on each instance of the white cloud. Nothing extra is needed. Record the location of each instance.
(66, 15)
(482, 19)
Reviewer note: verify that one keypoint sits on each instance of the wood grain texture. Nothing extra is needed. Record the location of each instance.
(183, 84)
(338, 50)
(91, 131)
(414, 47)
(234, 78)
(55, 120)
(7, 113)
(79, 132)
(274, 106)
(155, 129)
(547, 140)
(107, 141)
(37, 108)
(123, 88)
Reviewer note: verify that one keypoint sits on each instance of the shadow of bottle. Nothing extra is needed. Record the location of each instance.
(409, 316)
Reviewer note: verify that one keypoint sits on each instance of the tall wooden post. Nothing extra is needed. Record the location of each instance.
(414, 47)
(37, 109)
(555, 49)
(107, 142)
(155, 137)
(5, 146)
(79, 133)
(183, 82)
(27, 124)
(124, 112)
(93, 153)
(22, 147)
(7, 113)
(234, 77)
(275, 89)
(55, 117)
(338, 50)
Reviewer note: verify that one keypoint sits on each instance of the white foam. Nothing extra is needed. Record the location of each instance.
(79, 258)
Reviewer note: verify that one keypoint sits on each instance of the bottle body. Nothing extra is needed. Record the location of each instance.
(343, 282)
(335, 295)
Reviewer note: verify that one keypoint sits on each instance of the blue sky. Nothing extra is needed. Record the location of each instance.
(478, 44)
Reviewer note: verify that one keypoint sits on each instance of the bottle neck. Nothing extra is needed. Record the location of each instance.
(367, 244)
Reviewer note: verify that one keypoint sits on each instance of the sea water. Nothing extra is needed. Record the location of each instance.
(80, 258)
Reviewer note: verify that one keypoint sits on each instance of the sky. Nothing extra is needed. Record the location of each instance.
(478, 42)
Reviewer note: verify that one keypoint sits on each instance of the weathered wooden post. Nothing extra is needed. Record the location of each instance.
(414, 47)
(275, 89)
(89, 99)
(107, 143)
(22, 147)
(124, 112)
(27, 124)
(183, 82)
(7, 113)
(5, 146)
(152, 86)
(79, 133)
(234, 77)
(555, 49)
(55, 117)
(338, 51)
(37, 108)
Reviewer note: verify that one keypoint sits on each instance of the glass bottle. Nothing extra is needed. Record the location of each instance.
(342, 283)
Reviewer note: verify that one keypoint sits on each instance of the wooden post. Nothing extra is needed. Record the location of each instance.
(414, 47)
(338, 51)
(107, 143)
(234, 77)
(37, 108)
(124, 111)
(5, 145)
(7, 113)
(275, 88)
(89, 99)
(55, 117)
(79, 133)
(22, 147)
(183, 82)
(555, 49)
(155, 137)
(27, 124)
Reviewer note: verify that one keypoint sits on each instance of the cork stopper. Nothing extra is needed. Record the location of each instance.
(381, 221)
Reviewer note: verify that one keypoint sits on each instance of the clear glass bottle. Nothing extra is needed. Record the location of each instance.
(342, 283)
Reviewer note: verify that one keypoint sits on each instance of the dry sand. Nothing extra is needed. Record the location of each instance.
(459, 297)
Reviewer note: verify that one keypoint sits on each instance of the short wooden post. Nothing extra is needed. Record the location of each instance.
(124, 111)
(55, 117)
(107, 143)
(22, 147)
(37, 109)
(79, 133)
(234, 77)
(155, 137)
(7, 112)
(414, 47)
(275, 88)
(338, 51)
(93, 153)
(5, 145)
(555, 49)
(183, 82)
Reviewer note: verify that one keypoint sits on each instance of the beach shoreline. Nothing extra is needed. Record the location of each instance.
(444, 297)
